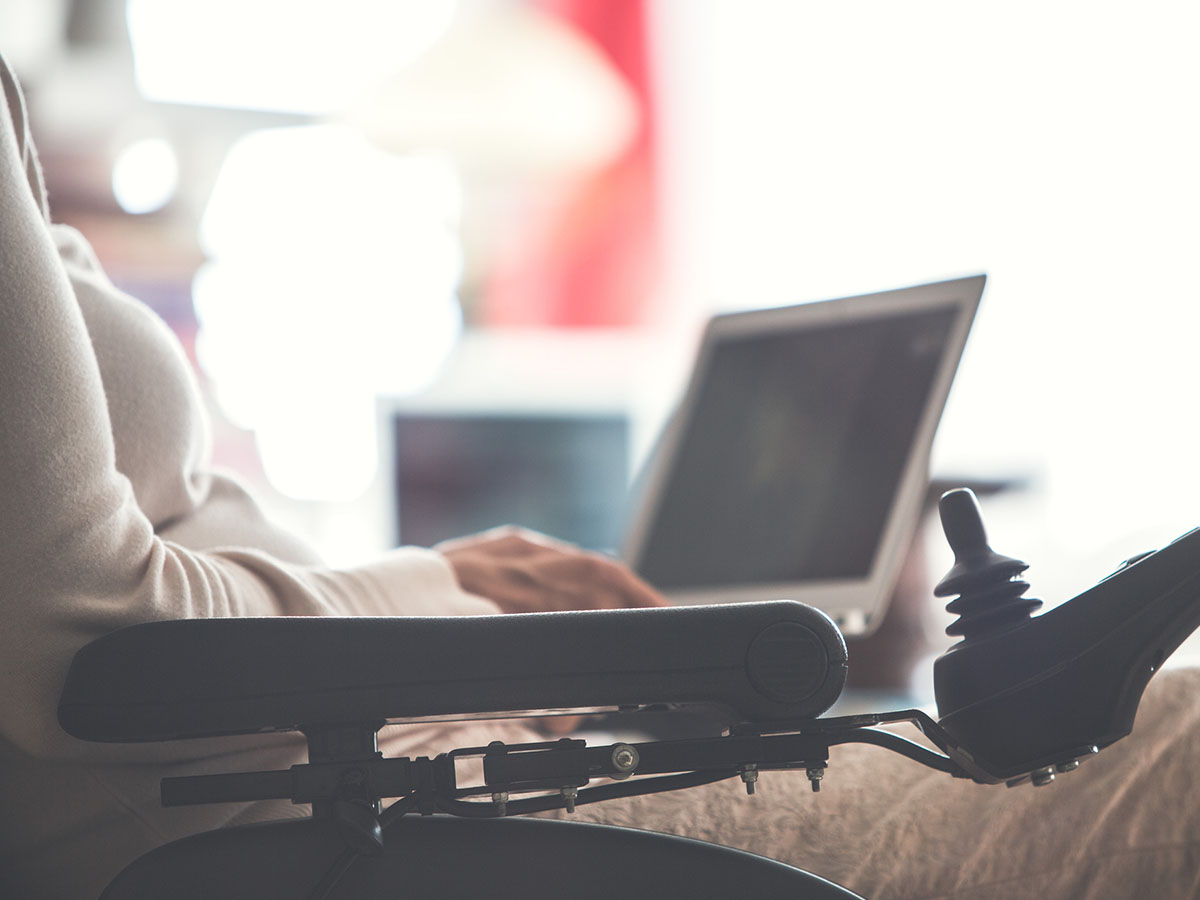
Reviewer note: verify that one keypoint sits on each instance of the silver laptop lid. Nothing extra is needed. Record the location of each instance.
(798, 460)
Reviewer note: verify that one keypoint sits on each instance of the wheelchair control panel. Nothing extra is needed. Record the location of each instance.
(1020, 698)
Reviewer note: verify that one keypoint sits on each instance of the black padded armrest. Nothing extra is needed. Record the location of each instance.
(759, 662)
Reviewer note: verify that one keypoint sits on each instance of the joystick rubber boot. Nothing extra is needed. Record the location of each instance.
(990, 595)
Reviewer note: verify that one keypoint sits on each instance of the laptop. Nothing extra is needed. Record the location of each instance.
(797, 462)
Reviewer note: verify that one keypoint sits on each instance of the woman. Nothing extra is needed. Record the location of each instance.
(111, 516)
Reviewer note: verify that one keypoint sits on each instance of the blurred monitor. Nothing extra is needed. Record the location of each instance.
(459, 473)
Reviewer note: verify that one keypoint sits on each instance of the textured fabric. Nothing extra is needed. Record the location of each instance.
(1124, 825)
(109, 515)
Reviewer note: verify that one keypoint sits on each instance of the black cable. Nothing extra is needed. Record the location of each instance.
(396, 810)
(348, 857)
(334, 873)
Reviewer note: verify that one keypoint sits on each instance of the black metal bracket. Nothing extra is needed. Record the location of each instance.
(566, 766)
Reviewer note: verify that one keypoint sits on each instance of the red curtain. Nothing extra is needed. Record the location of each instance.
(591, 259)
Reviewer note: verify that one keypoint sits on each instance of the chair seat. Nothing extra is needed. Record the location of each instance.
(438, 856)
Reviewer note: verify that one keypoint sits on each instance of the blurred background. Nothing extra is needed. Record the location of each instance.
(442, 264)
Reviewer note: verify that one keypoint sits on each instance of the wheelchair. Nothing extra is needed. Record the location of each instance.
(1021, 699)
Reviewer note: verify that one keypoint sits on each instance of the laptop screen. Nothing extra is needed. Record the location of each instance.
(798, 460)
(796, 444)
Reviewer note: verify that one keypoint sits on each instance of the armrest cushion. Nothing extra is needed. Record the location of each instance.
(192, 678)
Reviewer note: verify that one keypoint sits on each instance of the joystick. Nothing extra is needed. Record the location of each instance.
(990, 595)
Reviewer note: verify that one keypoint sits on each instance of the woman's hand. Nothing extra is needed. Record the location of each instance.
(523, 571)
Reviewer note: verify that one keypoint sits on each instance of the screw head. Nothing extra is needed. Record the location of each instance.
(1042, 777)
(749, 777)
(624, 759)
(500, 798)
(569, 795)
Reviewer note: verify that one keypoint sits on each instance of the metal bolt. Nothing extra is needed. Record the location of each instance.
(569, 794)
(1069, 766)
(624, 760)
(500, 798)
(815, 774)
(1042, 777)
(749, 777)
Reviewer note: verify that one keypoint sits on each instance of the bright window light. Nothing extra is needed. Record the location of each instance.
(145, 176)
(333, 276)
(300, 56)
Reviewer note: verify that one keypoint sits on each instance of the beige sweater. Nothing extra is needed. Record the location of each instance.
(109, 516)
